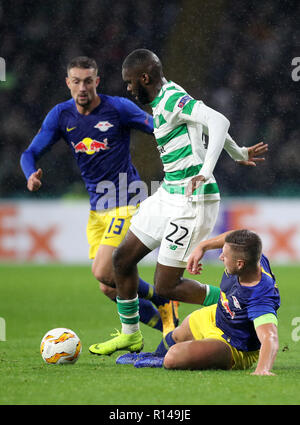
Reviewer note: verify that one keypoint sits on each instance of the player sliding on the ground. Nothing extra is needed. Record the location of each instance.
(240, 325)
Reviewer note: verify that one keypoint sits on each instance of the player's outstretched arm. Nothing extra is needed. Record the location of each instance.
(193, 265)
(245, 156)
(268, 336)
(255, 153)
(34, 181)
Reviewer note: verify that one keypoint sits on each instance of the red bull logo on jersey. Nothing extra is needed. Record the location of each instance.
(90, 146)
(225, 304)
(103, 125)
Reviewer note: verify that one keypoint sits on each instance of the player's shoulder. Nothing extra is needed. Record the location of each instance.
(67, 104)
(126, 109)
(171, 85)
(61, 107)
(118, 102)
(171, 95)
(171, 90)
(55, 116)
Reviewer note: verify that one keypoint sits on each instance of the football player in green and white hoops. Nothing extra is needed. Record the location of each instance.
(184, 209)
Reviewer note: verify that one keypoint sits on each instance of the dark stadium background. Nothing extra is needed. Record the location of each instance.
(235, 56)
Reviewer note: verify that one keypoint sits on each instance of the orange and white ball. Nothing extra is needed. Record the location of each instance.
(60, 346)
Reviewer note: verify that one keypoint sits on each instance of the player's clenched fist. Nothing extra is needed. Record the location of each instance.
(34, 181)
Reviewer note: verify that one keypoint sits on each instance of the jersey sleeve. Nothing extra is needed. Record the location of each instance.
(45, 138)
(265, 319)
(261, 308)
(133, 116)
(217, 126)
(237, 153)
(214, 124)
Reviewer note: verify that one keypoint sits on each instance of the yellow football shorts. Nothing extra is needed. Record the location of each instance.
(203, 325)
(108, 227)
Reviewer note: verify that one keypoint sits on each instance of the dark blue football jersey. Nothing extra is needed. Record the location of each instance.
(100, 143)
(239, 305)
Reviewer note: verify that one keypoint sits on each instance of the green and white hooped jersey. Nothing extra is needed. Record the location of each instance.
(181, 140)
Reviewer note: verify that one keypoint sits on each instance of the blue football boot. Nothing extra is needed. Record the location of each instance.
(131, 358)
(149, 361)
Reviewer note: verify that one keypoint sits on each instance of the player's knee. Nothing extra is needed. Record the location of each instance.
(182, 332)
(170, 360)
(162, 290)
(165, 285)
(108, 291)
(103, 276)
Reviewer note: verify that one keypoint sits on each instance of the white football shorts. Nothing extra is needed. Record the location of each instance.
(175, 223)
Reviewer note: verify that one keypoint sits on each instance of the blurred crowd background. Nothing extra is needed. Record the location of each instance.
(235, 56)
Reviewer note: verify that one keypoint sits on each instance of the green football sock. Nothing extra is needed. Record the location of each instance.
(129, 314)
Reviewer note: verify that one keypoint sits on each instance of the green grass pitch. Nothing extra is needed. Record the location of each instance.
(35, 299)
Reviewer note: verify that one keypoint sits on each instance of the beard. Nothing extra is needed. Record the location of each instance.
(83, 101)
(142, 95)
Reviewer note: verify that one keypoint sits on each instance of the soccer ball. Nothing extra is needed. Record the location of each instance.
(60, 346)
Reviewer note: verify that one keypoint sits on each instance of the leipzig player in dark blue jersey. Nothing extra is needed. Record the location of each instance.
(97, 129)
(238, 326)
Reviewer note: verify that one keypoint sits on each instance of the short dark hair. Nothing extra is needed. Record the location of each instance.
(82, 62)
(138, 57)
(245, 244)
(145, 60)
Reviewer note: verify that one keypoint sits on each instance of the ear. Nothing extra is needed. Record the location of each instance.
(68, 81)
(240, 264)
(97, 81)
(145, 79)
